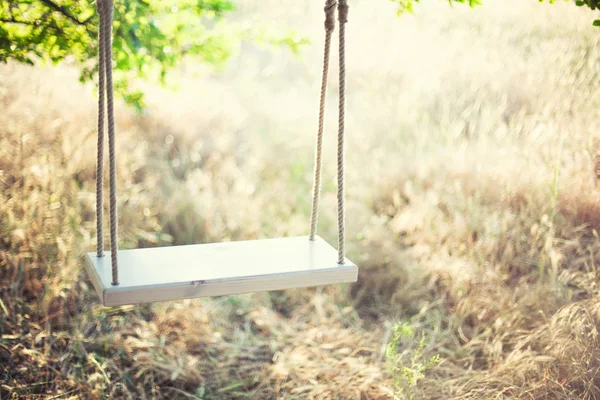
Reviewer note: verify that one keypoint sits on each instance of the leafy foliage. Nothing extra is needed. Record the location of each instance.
(407, 5)
(150, 36)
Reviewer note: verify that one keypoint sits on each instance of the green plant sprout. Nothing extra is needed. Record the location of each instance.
(407, 369)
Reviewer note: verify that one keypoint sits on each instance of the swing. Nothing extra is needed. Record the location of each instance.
(215, 269)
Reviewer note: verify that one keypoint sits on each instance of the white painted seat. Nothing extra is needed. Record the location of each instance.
(215, 269)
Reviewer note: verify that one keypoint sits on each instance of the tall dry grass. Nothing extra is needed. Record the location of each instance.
(472, 213)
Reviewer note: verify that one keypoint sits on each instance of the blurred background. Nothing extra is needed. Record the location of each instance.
(472, 212)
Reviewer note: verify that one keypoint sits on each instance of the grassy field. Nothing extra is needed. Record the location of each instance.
(472, 201)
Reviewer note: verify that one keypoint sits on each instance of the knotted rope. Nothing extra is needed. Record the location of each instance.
(105, 83)
(329, 27)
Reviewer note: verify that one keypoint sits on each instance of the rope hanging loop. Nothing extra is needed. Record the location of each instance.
(329, 9)
(342, 8)
(105, 84)
(342, 18)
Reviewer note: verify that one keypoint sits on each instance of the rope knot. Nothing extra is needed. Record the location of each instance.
(343, 8)
(330, 15)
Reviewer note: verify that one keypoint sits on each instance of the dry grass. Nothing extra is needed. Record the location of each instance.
(472, 211)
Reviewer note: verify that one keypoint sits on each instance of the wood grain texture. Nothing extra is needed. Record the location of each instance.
(216, 269)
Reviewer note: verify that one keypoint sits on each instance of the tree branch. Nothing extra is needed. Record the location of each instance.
(31, 23)
(15, 21)
(64, 11)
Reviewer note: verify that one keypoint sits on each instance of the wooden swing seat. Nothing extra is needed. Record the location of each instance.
(217, 269)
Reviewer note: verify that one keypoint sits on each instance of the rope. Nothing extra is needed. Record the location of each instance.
(105, 9)
(329, 27)
(100, 155)
(343, 19)
(342, 7)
